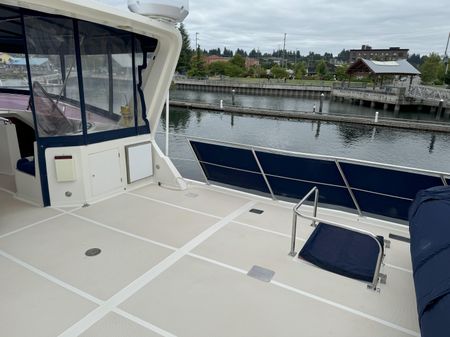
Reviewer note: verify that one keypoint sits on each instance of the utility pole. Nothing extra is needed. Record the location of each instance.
(284, 51)
(196, 40)
(446, 55)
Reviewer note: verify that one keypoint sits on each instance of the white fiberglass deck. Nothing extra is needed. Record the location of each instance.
(174, 263)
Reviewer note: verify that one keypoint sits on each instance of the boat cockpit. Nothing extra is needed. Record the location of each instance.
(77, 85)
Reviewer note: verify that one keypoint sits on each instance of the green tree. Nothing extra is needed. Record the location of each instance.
(300, 70)
(344, 55)
(198, 68)
(321, 69)
(184, 62)
(233, 70)
(217, 68)
(432, 69)
(278, 72)
(238, 60)
(447, 78)
(227, 52)
(341, 73)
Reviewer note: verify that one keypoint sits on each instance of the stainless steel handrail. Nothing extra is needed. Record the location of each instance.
(314, 190)
(315, 219)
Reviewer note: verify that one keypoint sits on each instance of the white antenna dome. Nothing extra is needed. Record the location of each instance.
(166, 10)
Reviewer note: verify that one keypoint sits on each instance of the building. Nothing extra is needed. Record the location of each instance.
(250, 62)
(273, 60)
(367, 52)
(215, 58)
(380, 70)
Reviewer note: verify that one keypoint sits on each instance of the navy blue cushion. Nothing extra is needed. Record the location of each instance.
(429, 228)
(26, 166)
(435, 321)
(342, 251)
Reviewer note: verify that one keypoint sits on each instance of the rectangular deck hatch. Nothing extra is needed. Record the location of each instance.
(261, 274)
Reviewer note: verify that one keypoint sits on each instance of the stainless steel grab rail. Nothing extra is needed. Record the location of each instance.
(314, 190)
(315, 219)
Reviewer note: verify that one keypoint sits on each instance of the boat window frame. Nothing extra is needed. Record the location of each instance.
(138, 67)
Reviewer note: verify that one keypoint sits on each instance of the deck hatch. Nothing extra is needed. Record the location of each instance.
(93, 252)
(261, 274)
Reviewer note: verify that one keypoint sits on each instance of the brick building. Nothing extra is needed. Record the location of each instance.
(367, 52)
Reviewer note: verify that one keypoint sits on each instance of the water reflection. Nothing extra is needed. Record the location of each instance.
(431, 147)
(178, 120)
(351, 134)
(318, 129)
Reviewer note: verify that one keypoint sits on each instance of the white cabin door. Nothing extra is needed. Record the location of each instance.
(105, 172)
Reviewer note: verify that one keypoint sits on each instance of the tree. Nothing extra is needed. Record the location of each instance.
(344, 55)
(214, 52)
(279, 72)
(432, 69)
(184, 62)
(217, 68)
(241, 52)
(227, 52)
(255, 54)
(300, 70)
(415, 60)
(321, 69)
(341, 73)
(447, 78)
(198, 68)
(232, 70)
(238, 60)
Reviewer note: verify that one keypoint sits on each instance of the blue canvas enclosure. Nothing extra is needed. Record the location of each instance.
(367, 188)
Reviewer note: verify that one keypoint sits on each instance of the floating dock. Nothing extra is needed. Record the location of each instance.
(382, 122)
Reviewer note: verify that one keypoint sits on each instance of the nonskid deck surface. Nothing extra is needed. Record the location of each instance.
(175, 263)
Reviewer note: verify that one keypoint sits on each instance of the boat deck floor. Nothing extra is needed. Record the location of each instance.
(175, 263)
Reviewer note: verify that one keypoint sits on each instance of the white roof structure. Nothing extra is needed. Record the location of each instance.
(398, 67)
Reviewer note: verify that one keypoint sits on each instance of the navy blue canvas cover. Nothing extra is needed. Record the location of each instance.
(429, 219)
(26, 166)
(435, 321)
(342, 251)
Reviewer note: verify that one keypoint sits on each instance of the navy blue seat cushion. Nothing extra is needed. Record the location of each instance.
(342, 251)
(26, 166)
(435, 321)
(429, 219)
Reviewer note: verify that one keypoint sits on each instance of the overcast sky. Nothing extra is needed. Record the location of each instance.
(318, 25)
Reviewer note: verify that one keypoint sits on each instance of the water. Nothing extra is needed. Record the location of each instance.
(416, 149)
(301, 104)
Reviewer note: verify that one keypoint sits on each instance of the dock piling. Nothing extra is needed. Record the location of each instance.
(322, 96)
(439, 110)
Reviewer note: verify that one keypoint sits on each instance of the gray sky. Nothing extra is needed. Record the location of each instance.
(318, 25)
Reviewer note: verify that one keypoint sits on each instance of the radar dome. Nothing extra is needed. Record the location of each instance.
(166, 10)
